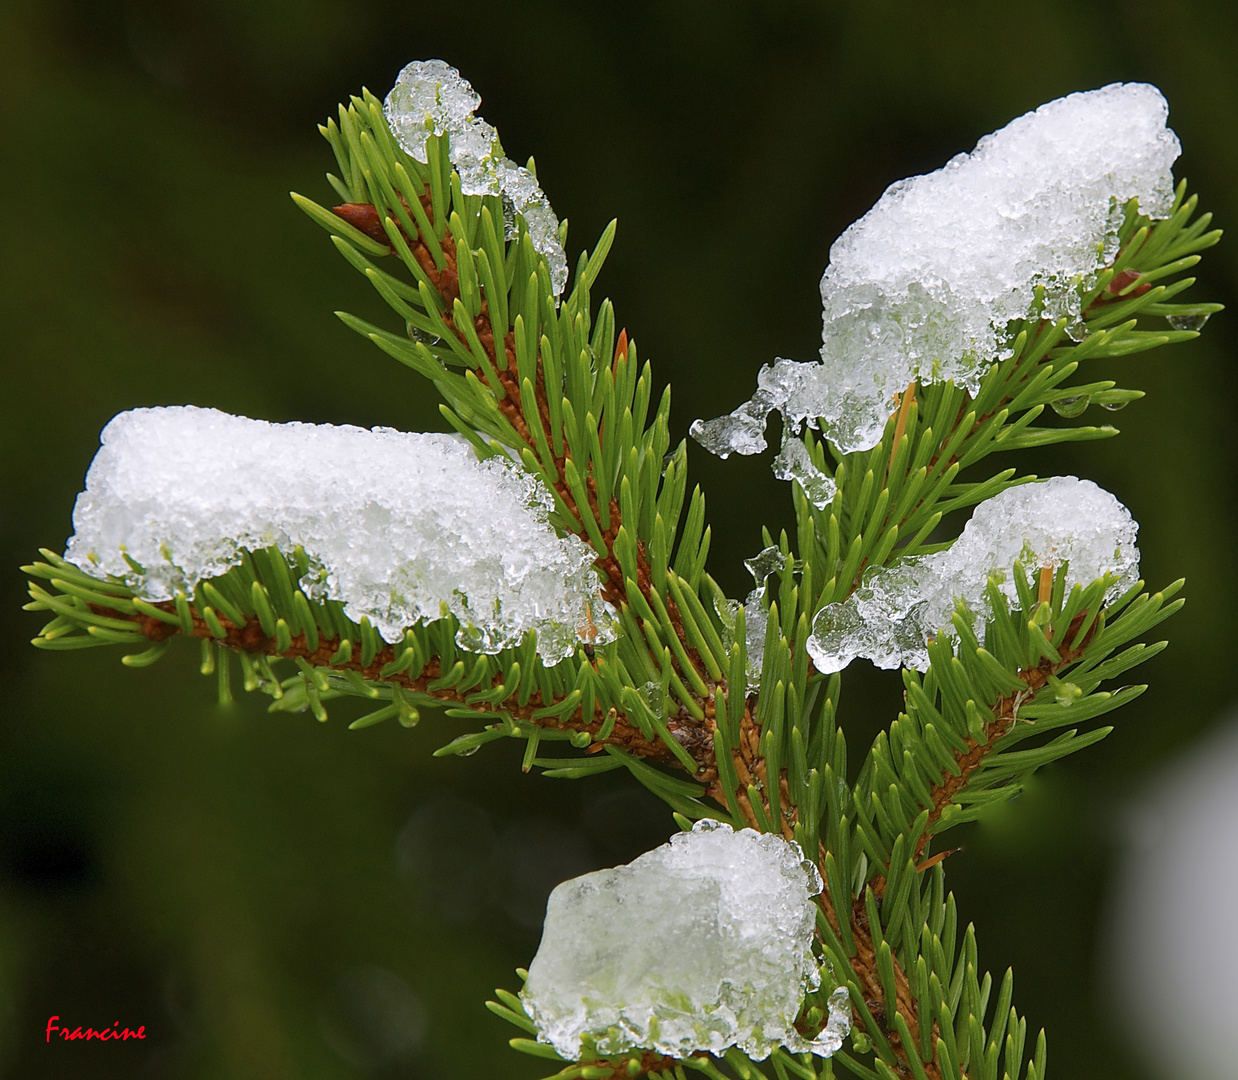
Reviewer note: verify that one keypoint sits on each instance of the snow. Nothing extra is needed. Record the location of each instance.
(398, 527)
(431, 97)
(924, 284)
(756, 614)
(897, 608)
(701, 944)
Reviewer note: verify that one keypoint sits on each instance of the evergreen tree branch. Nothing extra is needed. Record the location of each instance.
(551, 385)
(938, 430)
(943, 761)
(94, 612)
(488, 333)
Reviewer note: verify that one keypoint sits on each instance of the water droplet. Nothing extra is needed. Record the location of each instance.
(708, 825)
(420, 335)
(1114, 406)
(1071, 406)
(1187, 322)
(651, 695)
(468, 751)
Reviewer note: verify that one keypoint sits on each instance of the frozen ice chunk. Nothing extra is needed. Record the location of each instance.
(837, 1027)
(795, 463)
(756, 624)
(765, 562)
(398, 527)
(543, 229)
(431, 97)
(520, 189)
(739, 432)
(756, 617)
(700, 944)
(921, 287)
(522, 195)
(896, 609)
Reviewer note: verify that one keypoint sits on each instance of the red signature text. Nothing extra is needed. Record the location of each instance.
(105, 1034)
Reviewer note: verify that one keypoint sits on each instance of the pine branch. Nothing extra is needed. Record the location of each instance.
(553, 386)
(938, 430)
(586, 475)
(946, 759)
(91, 612)
(591, 446)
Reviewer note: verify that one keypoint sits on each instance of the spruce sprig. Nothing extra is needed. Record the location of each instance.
(890, 499)
(552, 384)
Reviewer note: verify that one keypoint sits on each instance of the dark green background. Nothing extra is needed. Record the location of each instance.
(276, 898)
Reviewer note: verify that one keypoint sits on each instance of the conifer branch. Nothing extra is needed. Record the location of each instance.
(864, 963)
(430, 248)
(947, 429)
(500, 377)
(251, 639)
(1004, 714)
(548, 383)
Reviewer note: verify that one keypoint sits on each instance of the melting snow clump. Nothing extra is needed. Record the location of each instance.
(396, 526)
(795, 463)
(700, 944)
(922, 286)
(431, 97)
(896, 609)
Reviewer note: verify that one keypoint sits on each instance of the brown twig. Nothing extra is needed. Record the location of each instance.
(864, 967)
(251, 638)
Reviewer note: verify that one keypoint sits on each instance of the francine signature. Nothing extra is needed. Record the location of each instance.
(114, 1032)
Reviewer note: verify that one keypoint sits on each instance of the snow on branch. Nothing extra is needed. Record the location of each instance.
(430, 97)
(398, 527)
(701, 944)
(923, 285)
(896, 609)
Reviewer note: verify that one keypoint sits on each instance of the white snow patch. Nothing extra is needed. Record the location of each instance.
(700, 944)
(896, 609)
(923, 285)
(431, 97)
(398, 527)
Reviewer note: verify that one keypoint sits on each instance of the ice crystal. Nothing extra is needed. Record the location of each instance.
(430, 97)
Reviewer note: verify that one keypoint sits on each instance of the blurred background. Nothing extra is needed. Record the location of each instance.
(272, 897)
